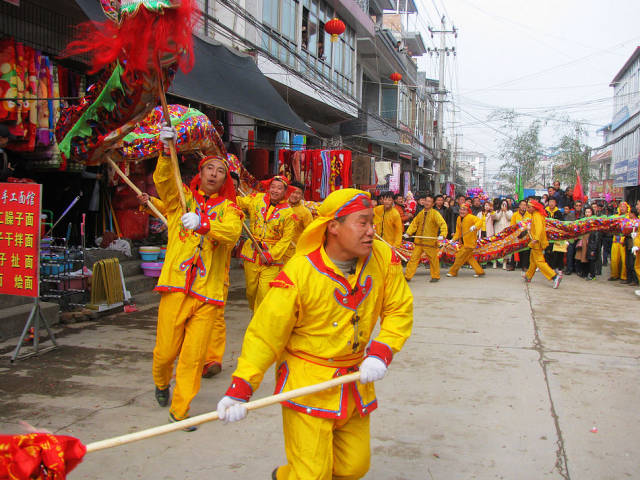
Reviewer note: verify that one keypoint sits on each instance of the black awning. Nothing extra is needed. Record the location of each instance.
(226, 80)
(233, 82)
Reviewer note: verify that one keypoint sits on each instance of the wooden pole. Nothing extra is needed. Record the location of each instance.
(133, 187)
(250, 235)
(172, 147)
(211, 416)
(391, 247)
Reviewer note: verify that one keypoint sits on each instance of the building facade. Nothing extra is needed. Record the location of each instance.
(625, 128)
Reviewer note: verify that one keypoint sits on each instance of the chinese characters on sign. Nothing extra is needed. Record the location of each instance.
(19, 238)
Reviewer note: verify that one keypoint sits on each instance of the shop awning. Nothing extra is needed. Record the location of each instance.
(226, 80)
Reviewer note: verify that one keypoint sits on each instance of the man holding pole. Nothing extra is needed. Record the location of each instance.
(192, 281)
(539, 241)
(271, 228)
(303, 215)
(430, 228)
(316, 323)
(467, 232)
(387, 221)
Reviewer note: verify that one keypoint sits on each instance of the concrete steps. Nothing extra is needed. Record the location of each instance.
(14, 317)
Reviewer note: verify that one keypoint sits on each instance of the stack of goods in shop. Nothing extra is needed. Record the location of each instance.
(34, 90)
(321, 171)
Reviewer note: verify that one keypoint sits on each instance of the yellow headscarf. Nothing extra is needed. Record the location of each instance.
(336, 205)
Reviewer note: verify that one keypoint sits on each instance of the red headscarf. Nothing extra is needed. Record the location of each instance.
(267, 183)
(227, 190)
(538, 206)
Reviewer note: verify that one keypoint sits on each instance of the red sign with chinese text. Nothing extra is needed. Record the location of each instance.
(20, 238)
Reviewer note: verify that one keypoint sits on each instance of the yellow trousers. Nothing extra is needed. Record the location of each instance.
(257, 278)
(218, 337)
(323, 448)
(636, 266)
(618, 261)
(184, 329)
(465, 255)
(414, 261)
(536, 260)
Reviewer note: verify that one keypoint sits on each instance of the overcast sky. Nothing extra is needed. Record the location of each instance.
(541, 58)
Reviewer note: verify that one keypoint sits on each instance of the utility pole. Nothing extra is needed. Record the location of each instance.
(442, 52)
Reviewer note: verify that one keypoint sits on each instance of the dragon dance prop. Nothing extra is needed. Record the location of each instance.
(138, 49)
(42, 456)
(515, 238)
(195, 132)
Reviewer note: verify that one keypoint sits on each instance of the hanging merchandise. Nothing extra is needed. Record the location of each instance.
(383, 171)
(321, 171)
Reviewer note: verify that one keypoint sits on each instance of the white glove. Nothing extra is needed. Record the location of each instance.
(634, 250)
(634, 235)
(404, 235)
(231, 410)
(440, 238)
(167, 133)
(473, 228)
(372, 369)
(191, 220)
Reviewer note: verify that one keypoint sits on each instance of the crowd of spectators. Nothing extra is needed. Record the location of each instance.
(584, 256)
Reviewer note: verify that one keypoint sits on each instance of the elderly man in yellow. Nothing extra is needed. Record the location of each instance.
(538, 234)
(316, 323)
(467, 227)
(387, 221)
(273, 226)
(428, 223)
(192, 281)
(618, 253)
(303, 215)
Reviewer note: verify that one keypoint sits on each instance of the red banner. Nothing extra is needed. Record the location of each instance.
(19, 238)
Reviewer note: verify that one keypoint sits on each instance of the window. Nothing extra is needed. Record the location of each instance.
(280, 17)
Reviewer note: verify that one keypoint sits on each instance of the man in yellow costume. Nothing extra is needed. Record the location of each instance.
(316, 323)
(427, 223)
(538, 235)
(522, 256)
(303, 216)
(192, 281)
(387, 221)
(618, 253)
(272, 224)
(467, 227)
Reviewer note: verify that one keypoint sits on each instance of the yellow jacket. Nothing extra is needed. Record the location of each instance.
(159, 204)
(197, 262)
(427, 223)
(273, 226)
(538, 231)
(316, 325)
(463, 230)
(388, 225)
(517, 217)
(302, 218)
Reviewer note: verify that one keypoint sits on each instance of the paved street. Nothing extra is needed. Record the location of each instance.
(499, 380)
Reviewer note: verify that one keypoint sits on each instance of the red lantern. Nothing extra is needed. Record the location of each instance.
(396, 77)
(335, 27)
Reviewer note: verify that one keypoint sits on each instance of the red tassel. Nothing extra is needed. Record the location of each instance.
(140, 42)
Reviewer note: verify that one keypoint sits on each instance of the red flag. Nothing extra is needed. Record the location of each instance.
(577, 190)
